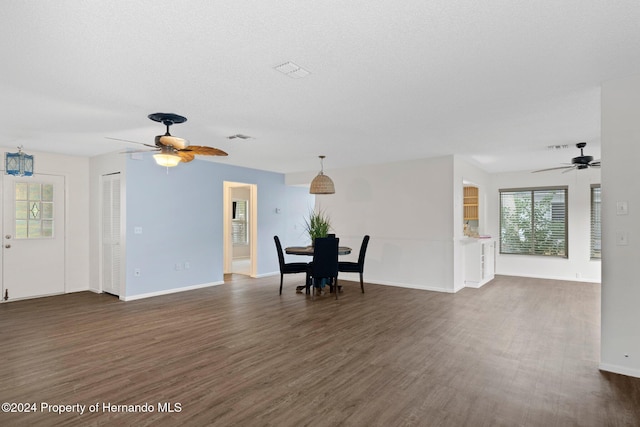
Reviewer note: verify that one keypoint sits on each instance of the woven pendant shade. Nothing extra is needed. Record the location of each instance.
(322, 184)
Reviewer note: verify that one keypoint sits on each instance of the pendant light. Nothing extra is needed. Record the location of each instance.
(18, 164)
(322, 184)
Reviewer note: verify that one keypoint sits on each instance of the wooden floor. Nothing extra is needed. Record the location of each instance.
(516, 352)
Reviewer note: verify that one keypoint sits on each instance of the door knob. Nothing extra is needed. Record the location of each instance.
(7, 246)
(8, 236)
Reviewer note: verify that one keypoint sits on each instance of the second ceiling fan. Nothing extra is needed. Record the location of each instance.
(580, 162)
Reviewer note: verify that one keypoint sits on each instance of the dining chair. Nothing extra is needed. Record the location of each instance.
(290, 267)
(356, 267)
(325, 263)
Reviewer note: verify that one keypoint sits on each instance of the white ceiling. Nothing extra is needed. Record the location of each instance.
(497, 81)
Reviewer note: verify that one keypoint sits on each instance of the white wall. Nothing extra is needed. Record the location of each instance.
(406, 208)
(578, 266)
(620, 348)
(76, 173)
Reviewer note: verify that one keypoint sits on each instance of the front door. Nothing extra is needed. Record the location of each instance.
(33, 258)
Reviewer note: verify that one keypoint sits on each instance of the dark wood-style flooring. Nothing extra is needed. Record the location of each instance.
(517, 352)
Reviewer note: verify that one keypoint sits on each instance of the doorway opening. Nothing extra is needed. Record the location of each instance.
(240, 228)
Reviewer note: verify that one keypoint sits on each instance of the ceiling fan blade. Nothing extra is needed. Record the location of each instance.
(594, 165)
(138, 151)
(553, 169)
(185, 156)
(569, 169)
(204, 151)
(133, 142)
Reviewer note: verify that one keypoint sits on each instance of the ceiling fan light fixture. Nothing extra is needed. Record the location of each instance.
(322, 184)
(168, 160)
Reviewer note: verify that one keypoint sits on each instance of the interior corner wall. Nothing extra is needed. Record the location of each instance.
(466, 172)
(620, 334)
(407, 209)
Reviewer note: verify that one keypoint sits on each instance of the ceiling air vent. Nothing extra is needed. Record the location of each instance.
(239, 135)
(292, 70)
(557, 147)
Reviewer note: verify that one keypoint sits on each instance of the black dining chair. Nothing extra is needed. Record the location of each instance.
(356, 267)
(291, 267)
(324, 264)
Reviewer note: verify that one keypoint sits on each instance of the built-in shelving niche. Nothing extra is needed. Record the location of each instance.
(470, 205)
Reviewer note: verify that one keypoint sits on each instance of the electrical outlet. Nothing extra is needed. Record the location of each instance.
(179, 266)
(187, 265)
(137, 272)
(622, 238)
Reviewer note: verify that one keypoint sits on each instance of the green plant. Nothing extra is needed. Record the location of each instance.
(317, 224)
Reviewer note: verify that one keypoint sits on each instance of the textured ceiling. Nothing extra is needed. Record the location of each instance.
(496, 81)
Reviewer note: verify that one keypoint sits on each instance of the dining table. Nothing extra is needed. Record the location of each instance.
(308, 250)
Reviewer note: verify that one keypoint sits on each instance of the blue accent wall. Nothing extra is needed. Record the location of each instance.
(181, 216)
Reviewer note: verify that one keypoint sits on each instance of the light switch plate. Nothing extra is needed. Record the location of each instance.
(622, 208)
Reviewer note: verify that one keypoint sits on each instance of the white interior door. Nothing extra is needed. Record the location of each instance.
(110, 218)
(33, 238)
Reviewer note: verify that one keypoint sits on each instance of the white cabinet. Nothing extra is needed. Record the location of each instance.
(479, 259)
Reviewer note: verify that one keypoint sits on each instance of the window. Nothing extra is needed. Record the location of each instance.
(239, 222)
(34, 210)
(596, 225)
(533, 221)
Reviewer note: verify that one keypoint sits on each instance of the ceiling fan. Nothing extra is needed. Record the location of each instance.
(172, 149)
(580, 162)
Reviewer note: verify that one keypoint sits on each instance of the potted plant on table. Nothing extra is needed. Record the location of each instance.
(317, 224)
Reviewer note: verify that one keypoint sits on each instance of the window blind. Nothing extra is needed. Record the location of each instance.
(596, 225)
(239, 223)
(534, 221)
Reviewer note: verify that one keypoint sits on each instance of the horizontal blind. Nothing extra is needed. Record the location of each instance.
(515, 222)
(533, 221)
(596, 225)
(239, 229)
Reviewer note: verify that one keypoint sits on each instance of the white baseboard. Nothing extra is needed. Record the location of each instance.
(410, 286)
(169, 291)
(564, 279)
(260, 276)
(622, 370)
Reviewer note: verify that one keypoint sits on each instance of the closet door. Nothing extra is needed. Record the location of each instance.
(110, 218)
